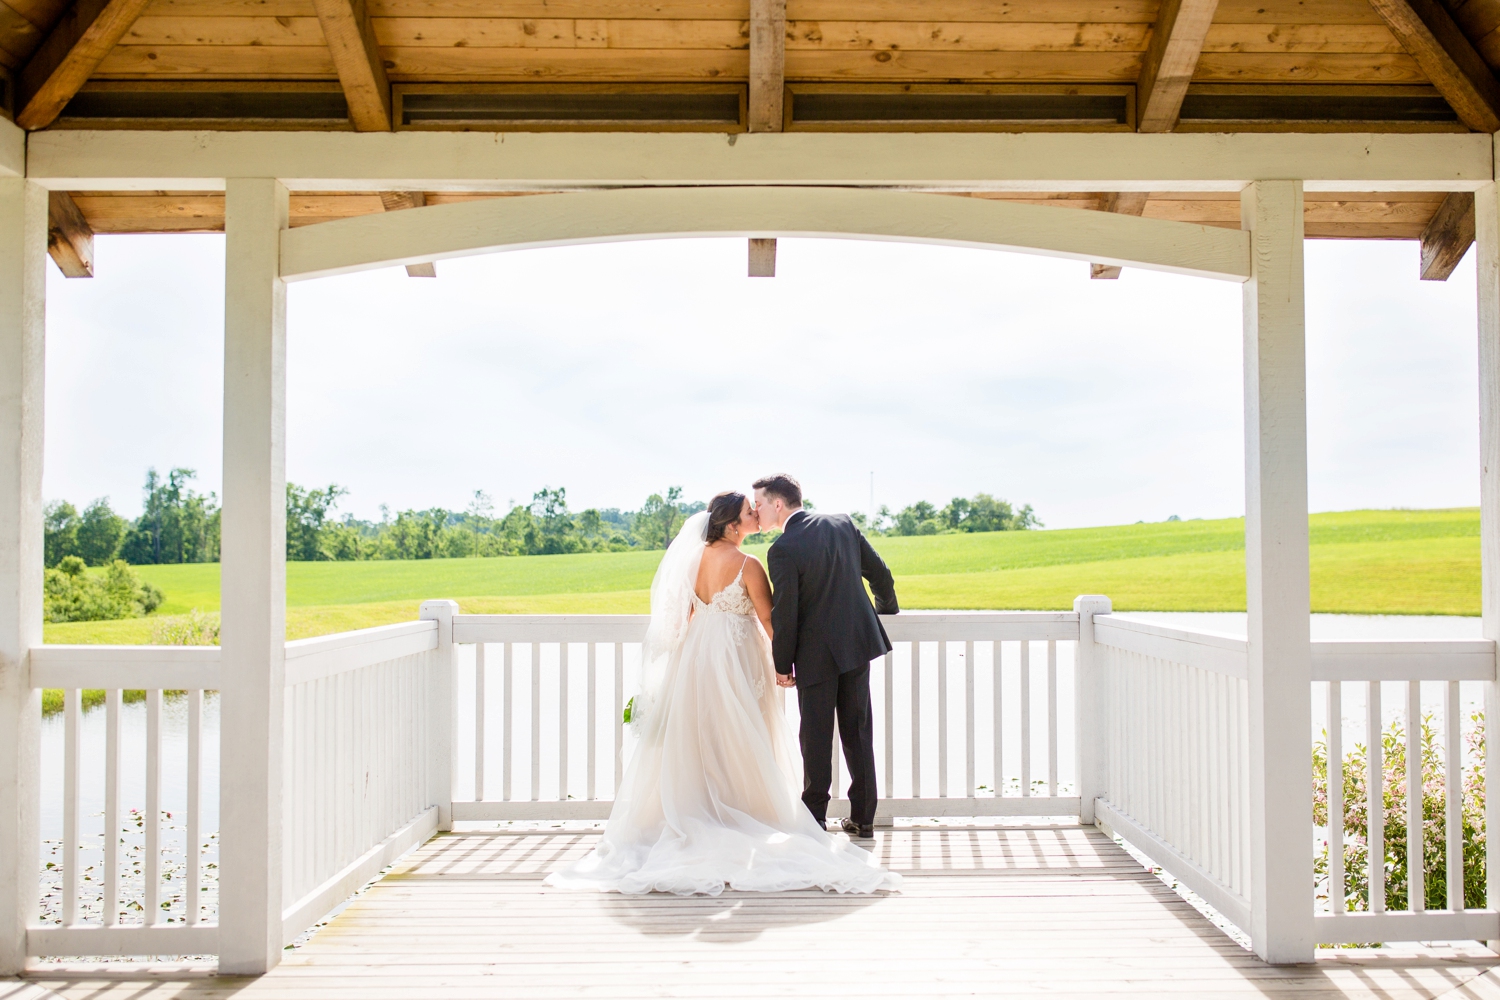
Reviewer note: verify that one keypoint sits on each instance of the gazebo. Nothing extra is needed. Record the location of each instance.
(1202, 137)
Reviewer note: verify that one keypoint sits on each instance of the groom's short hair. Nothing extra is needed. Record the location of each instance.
(781, 486)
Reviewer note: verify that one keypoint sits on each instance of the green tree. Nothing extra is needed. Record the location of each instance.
(59, 532)
(659, 519)
(558, 531)
(176, 524)
(100, 532)
(306, 514)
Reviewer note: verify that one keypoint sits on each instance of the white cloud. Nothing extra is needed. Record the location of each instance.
(616, 370)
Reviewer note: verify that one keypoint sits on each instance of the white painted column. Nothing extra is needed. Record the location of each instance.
(442, 722)
(254, 578)
(1276, 576)
(23, 257)
(1487, 248)
(1089, 728)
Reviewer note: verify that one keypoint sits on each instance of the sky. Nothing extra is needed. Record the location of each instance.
(619, 370)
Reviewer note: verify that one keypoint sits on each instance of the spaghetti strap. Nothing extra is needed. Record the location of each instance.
(741, 574)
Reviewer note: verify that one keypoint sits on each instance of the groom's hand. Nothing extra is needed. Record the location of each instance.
(786, 680)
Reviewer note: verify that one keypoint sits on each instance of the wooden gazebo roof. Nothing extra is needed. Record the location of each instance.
(759, 65)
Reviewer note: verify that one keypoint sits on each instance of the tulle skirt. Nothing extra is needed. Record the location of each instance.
(710, 799)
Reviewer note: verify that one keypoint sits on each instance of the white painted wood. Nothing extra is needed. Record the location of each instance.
(592, 716)
(582, 809)
(617, 650)
(1090, 706)
(1394, 660)
(969, 779)
(151, 821)
(1224, 654)
(167, 668)
(1416, 884)
(1487, 268)
(104, 941)
(916, 720)
(535, 663)
(1026, 718)
(106, 160)
(1234, 907)
(1336, 876)
(309, 909)
(111, 845)
(1051, 717)
(549, 628)
(564, 663)
(254, 577)
(439, 232)
(192, 843)
(480, 720)
(12, 150)
(890, 722)
(924, 625)
(1276, 574)
(1434, 925)
(1375, 799)
(1453, 795)
(72, 733)
(442, 731)
(324, 656)
(23, 249)
(942, 721)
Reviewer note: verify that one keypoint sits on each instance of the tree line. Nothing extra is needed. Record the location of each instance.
(180, 525)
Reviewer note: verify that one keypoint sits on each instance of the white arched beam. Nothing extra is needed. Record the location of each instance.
(467, 228)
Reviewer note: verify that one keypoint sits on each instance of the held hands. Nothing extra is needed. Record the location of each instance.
(786, 680)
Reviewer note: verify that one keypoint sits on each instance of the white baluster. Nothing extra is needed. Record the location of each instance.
(942, 722)
(617, 650)
(479, 721)
(535, 657)
(1454, 780)
(890, 724)
(1336, 796)
(111, 807)
(969, 779)
(507, 716)
(564, 665)
(1416, 885)
(997, 693)
(151, 822)
(1052, 717)
(1375, 802)
(916, 719)
(72, 730)
(592, 717)
(192, 847)
(1026, 717)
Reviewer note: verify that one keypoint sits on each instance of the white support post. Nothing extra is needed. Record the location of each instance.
(1487, 243)
(1088, 706)
(1276, 576)
(442, 741)
(23, 255)
(253, 578)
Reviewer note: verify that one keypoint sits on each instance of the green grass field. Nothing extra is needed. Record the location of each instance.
(1363, 562)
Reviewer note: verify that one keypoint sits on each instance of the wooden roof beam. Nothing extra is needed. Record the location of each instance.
(767, 64)
(1125, 203)
(1430, 35)
(70, 239)
(1171, 59)
(1448, 236)
(68, 56)
(357, 58)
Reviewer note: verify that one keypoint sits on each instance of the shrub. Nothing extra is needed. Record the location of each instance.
(72, 594)
(196, 628)
(1393, 796)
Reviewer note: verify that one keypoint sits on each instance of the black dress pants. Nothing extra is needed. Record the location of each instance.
(848, 697)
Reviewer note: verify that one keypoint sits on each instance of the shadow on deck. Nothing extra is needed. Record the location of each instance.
(995, 911)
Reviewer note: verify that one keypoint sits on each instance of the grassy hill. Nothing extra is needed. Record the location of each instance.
(1366, 562)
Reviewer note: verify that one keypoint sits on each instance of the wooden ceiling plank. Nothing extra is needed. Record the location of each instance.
(1429, 33)
(1124, 203)
(358, 60)
(18, 37)
(1448, 236)
(68, 56)
(767, 64)
(1171, 60)
(70, 239)
(1325, 67)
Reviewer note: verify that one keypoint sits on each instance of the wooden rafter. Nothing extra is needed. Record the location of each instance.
(1176, 43)
(1428, 32)
(70, 240)
(767, 64)
(68, 56)
(1124, 203)
(356, 56)
(1448, 236)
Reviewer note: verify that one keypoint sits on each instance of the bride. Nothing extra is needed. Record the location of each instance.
(708, 801)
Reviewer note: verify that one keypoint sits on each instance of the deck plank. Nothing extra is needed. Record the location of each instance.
(985, 911)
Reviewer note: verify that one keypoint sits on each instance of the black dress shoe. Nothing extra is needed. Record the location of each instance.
(856, 830)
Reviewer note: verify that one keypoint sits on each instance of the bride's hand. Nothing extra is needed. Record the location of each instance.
(786, 680)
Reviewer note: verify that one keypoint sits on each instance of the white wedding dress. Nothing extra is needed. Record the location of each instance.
(709, 801)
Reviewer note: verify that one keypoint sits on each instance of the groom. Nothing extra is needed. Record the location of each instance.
(826, 634)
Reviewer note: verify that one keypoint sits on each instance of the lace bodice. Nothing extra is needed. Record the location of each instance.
(732, 600)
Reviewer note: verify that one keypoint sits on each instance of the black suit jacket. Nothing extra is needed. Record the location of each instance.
(821, 616)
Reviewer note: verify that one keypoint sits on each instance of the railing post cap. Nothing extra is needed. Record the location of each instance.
(1094, 604)
(438, 610)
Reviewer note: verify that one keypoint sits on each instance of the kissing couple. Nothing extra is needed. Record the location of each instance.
(710, 799)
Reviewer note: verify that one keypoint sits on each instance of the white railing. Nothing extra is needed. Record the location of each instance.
(99, 919)
(547, 689)
(358, 786)
(1176, 753)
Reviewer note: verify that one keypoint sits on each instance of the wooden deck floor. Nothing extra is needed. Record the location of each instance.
(986, 911)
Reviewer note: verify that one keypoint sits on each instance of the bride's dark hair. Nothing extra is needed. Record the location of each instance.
(723, 510)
